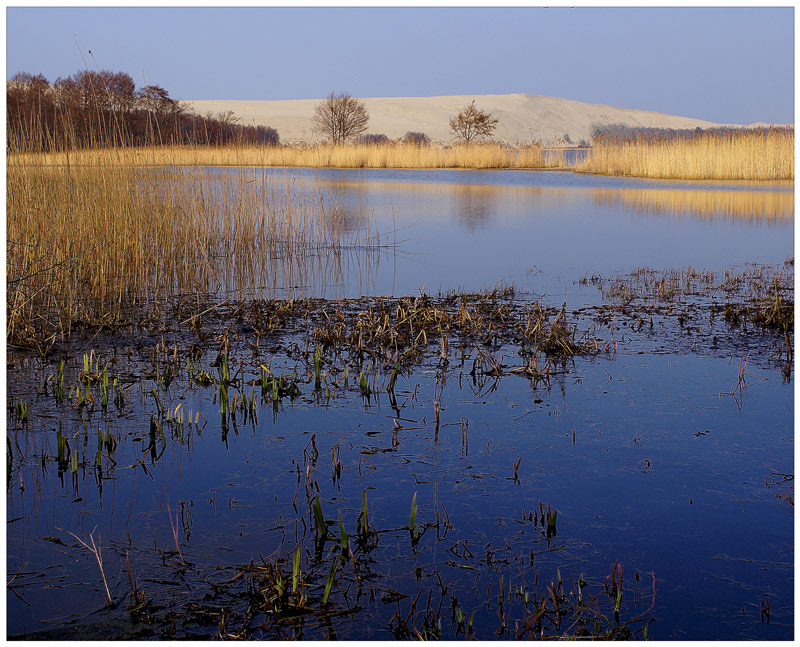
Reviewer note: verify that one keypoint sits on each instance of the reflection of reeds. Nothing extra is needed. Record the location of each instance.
(754, 206)
(324, 156)
(84, 243)
(763, 154)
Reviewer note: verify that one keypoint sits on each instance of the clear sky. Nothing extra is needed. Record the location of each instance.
(732, 65)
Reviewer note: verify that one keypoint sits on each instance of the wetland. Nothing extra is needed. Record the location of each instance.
(375, 404)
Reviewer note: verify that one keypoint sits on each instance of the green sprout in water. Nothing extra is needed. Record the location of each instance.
(296, 570)
(344, 539)
(317, 363)
(363, 521)
(319, 520)
(412, 522)
(329, 583)
(59, 381)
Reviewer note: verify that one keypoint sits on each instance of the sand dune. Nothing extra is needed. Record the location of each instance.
(522, 117)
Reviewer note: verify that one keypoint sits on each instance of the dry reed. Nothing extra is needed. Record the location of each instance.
(762, 154)
(485, 156)
(85, 243)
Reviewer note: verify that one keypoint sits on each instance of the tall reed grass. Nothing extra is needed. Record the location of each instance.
(760, 154)
(398, 155)
(85, 244)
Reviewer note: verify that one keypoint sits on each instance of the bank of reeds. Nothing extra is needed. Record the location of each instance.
(395, 155)
(746, 154)
(85, 244)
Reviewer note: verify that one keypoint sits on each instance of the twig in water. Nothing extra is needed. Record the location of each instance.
(95, 550)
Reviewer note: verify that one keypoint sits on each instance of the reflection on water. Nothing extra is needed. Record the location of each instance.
(760, 207)
(445, 230)
(474, 205)
(346, 205)
(271, 236)
(606, 443)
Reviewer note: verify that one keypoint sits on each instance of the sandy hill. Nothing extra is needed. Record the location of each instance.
(522, 117)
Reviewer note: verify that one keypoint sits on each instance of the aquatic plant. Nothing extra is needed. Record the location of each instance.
(173, 233)
(388, 155)
(743, 154)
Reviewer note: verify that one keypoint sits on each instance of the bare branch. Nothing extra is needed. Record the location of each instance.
(95, 550)
(340, 117)
(472, 123)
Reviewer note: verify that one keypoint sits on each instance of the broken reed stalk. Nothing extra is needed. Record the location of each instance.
(174, 528)
(95, 550)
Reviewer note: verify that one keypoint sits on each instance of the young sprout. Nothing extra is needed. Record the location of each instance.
(329, 583)
(412, 522)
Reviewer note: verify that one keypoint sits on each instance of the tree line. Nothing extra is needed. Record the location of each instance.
(105, 108)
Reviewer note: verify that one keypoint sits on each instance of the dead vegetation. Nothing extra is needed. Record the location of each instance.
(100, 246)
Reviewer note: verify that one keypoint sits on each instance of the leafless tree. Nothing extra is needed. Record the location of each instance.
(472, 123)
(340, 117)
(412, 137)
(373, 139)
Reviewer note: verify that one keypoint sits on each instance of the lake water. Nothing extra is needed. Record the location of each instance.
(649, 455)
(474, 229)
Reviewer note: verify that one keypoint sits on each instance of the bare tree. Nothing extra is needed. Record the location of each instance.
(472, 123)
(420, 139)
(376, 139)
(340, 117)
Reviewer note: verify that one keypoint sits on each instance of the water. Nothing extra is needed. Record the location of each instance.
(446, 230)
(647, 453)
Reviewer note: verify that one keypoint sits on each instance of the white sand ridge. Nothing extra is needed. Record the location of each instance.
(523, 118)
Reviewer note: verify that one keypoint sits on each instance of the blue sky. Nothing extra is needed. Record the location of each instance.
(721, 64)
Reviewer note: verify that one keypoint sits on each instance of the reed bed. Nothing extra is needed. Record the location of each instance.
(762, 154)
(707, 204)
(85, 243)
(398, 155)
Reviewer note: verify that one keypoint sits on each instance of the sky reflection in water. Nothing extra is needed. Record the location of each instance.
(542, 231)
(646, 455)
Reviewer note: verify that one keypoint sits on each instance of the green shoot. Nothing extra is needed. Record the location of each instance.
(329, 583)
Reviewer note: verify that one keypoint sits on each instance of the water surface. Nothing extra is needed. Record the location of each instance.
(469, 230)
(649, 454)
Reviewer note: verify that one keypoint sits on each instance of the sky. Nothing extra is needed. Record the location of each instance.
(727, 65)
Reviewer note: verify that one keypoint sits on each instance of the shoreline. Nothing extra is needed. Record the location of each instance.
(767, 158)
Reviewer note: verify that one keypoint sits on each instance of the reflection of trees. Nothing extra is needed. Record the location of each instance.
(475, 205)
(341, 220)
(345, 207)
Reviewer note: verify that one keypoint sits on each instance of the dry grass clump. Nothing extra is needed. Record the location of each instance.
(84, 244)
(763, 154)
(756, 206)
(401, 329)
(393, 155)
(755, 284)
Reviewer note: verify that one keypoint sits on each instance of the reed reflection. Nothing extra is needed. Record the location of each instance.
(755, 207)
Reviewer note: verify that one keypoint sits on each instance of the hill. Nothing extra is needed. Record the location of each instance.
(522, 117)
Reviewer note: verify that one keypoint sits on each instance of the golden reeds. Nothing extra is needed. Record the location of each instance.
(761, 154)
(398, 155)
(747, 154)
(84, 243)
